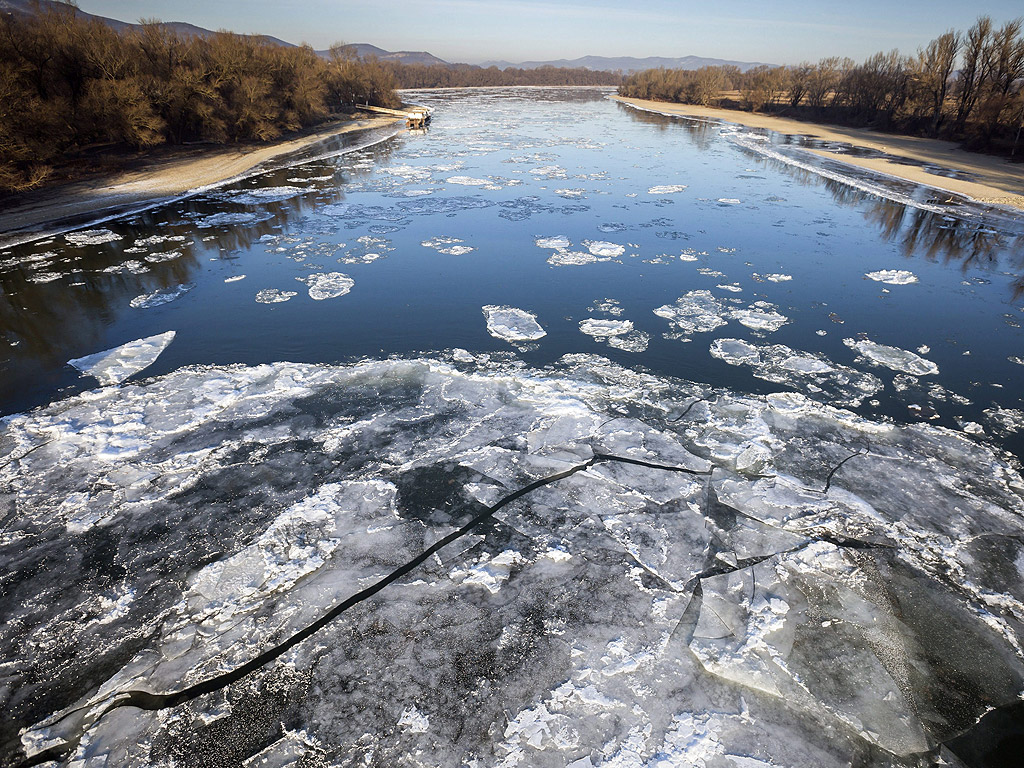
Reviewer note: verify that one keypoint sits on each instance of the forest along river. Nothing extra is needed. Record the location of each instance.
(767, 410)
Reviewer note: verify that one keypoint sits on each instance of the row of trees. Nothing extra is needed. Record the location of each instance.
(467, 75)
(67, 83)
(963, 85)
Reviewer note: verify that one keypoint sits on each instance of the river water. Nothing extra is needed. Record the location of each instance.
(769, 409)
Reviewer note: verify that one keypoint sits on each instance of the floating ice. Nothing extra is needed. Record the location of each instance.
(605, 328)
(1005, 420)
(234, 278)
(575, 258)
(229, 219)
(728, 201)
(666, 189)
(91, 237)
(604, 249)
(808, 372)
(468, 181)
(570, 194)
(327, 285)
(761, 316)
(448, 245)
(161, 296)
(800, 591)
(694, 312)
(776, 277)
(557, 242)
(113, 366)
(274, 296)
(512, 324)
(158, 258)
(265, 195)
(159, 239)
(892, 276)
(892, 357)
(549, 172)
(608, 307)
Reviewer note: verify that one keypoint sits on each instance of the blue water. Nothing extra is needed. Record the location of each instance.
(825, 231)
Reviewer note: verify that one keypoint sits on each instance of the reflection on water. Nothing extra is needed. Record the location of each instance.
(695, 249)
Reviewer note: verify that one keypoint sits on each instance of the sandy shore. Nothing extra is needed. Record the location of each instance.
(997, 181)
(169, 176)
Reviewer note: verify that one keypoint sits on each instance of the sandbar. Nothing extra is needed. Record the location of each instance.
(996, 180)
(172, 173)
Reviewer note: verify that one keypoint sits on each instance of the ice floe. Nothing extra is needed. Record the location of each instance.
(893, 358)
(556, 242)
(112, 366)
(666, 189)
(892, 276)
(452, 246)
(91, 237)
(512, 324)
(161, 296)
(327, 285)
(604, 249)
(274, 295)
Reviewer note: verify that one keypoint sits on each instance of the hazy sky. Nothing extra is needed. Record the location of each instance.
(776, 31)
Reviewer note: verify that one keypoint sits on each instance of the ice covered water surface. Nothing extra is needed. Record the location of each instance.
(696, 577)
(893, 358)
(327, 285)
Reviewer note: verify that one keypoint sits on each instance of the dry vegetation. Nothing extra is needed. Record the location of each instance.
(68, 84)
(963, 86)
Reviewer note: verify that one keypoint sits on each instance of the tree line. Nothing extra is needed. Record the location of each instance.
(967, 86)
(468, 75)
(68, 83)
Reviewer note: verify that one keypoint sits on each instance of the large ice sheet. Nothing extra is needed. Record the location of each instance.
(512, 324)
(112, 366)
(697, 577)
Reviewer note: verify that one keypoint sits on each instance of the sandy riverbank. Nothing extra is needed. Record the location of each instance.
(172, 174)
(997, 181)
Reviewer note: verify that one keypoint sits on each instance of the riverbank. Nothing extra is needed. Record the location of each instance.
(995, 180)
(160, 176)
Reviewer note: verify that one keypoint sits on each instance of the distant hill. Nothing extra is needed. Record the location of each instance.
(624, 64)
(182, 28)
(362, 50)
(627, 64)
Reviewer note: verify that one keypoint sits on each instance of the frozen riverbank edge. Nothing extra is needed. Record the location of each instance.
(751, 575)
(998, 182)
(51, 211)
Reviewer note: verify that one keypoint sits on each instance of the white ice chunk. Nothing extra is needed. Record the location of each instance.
(512, 324)
(603, 248)
(666, 189)
(91, 237)
(274, 296)
(557, 242)
(161, 296)
(602, 329)
(112, 366)
(892, 357)
(892, 276)
(327, 285)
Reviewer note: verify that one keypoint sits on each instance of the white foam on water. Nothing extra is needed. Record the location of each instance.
(327, 285)
(112, 366)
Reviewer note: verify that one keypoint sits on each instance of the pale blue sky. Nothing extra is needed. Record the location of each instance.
(777, 31)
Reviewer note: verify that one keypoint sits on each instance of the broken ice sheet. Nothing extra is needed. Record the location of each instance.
(112, 366)
(808, 372)
(274, 295)
(512, 324)
(838, 645)
(893, 358)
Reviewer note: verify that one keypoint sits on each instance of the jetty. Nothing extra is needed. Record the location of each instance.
(415, 117)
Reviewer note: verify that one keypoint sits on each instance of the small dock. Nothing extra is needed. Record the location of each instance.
(415, 117)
